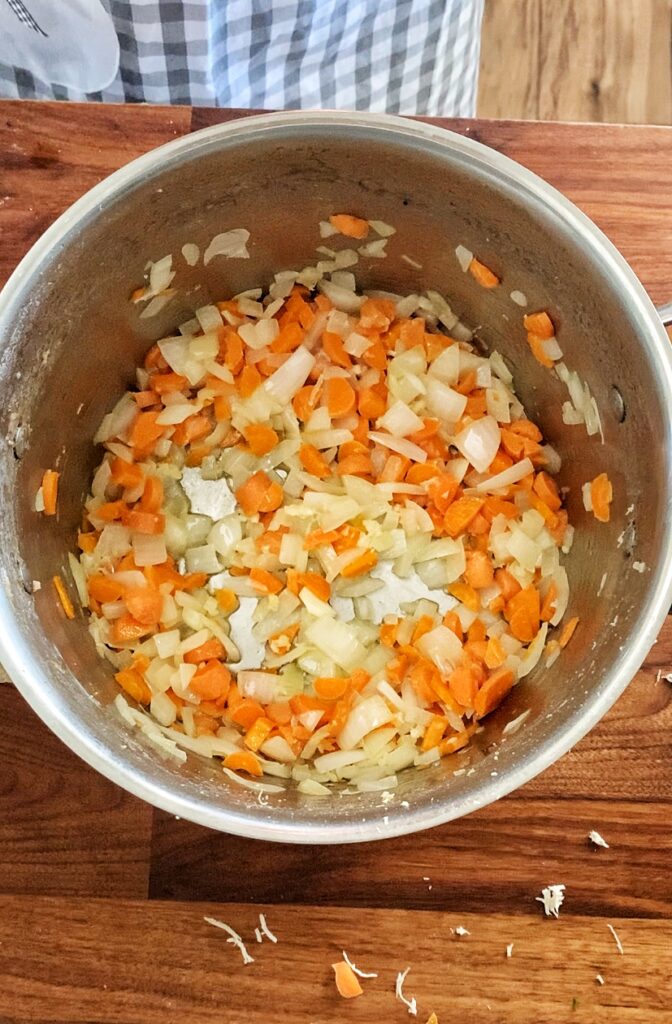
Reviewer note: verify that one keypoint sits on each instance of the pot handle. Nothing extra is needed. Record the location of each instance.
(665, 314)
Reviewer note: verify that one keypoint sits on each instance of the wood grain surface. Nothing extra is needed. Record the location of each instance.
(102, 899)
(577, 60)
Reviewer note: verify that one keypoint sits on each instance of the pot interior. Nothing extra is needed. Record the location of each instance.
(71, 340)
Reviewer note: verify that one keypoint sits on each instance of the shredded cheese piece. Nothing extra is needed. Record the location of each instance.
(356, 970)
(266, 930)
(509, 950)
(410, 1003)
(258, 936)
(619, 944)
(552, 898)
(599, 979)
(234, 938)
(597, 839)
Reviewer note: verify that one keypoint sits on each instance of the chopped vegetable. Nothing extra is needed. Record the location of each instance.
(50, 491)
(346, 980)
(284, 455)
(552, 899)
(64, 597)
(411, 1003)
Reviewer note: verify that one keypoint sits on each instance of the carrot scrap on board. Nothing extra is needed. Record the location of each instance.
(346, 980)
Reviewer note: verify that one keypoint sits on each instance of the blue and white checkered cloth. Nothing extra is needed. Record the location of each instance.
(400, 56)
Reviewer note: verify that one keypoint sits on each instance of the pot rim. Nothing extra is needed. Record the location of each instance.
(34, 684)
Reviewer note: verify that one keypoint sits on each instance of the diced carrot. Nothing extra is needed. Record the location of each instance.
(441, 491)
(568, 631)
(110, 510)
(145, 604)
(265, 582)
(145, 522)
(493, 691)
(226, 599)
(289, 338)
(104, 588)
(332, 345)
(87, 541)
(346, 980)
(244, 761)
(248, 381)
(466, 594)
(507, 583)
(476, 631)
(355, 465)
(304, 402)
(483, 274)
(361, 564)
(279, 712)
(312, 461)
(512, 444)
(168, 383)
(452, 621)
(212, 648)
(234, 352)
(258, 733)
(495, 506)
(135, 686)
(145, 432)
(211, 681)
(388, 633)
(538, 351)
(434, 732)
(260, 438)
(420, 472)
(424, 624)
(317, 584)
(539, 324)
(450, 746)
(375, 356)
(154, 359)
(463, 686)
(152, 495)
(222, 407)
(495, 655)
(126, 629)
(125, 474)
(476, 404)
(460, 513)
(50, 491)
(523, 613)
(259, 494)
(339, 396)
(371, 403)
(192, 429)
(246, 712)
(63, 597)
(601, 493)
(145, 399)
(330, 688)
(479, 572)
(351, 227)
(548, 604)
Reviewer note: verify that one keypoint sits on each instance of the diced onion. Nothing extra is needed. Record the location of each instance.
(464, 257)
(479, 442)
(401, 421)
(232, 244)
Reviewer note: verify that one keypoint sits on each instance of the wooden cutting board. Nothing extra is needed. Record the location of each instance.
(102, 899)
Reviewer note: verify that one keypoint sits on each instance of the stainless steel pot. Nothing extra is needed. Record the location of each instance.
(70, 340)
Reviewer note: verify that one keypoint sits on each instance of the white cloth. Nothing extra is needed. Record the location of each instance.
(400, 56)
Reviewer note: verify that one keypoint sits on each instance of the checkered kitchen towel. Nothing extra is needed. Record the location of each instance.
(401, 56)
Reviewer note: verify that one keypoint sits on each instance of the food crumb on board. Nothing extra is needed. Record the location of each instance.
(509, 951)
(599, 979)
(399, 992)
(234, 938)
(619, 944)
(552, 899)
(460, 931)
(265, 930)
(597, 839)
(357, 970)
(346, 982)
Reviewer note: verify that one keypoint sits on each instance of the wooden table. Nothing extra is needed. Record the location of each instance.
(102, 898)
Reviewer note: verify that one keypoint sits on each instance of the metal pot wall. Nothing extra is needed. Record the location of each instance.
(69, 341)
